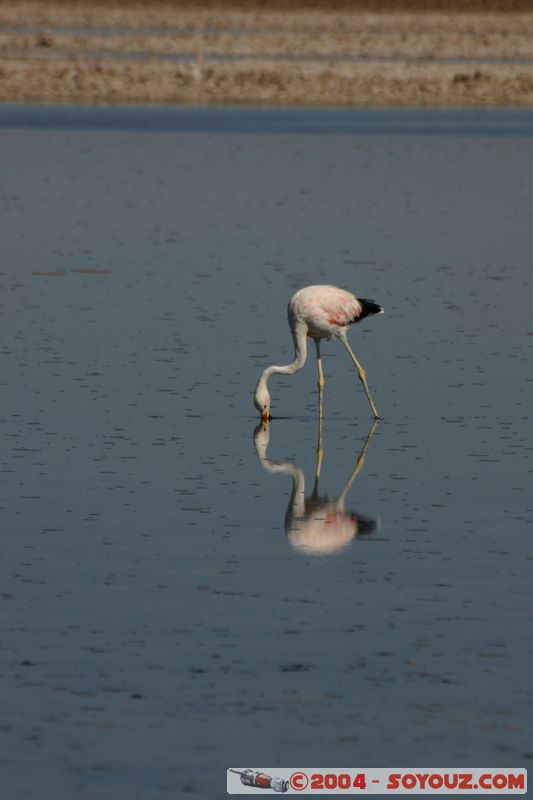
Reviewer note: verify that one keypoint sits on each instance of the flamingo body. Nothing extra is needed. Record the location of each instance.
(327, 310)
(318, 312)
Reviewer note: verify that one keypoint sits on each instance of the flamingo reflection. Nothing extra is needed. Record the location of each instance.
(316, 525)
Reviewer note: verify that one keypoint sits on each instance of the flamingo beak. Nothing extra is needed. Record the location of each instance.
(265, 416)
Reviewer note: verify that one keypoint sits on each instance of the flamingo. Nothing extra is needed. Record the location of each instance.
(319, 312)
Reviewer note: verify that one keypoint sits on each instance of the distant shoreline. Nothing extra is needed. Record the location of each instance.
(374, 6)
(275, 53)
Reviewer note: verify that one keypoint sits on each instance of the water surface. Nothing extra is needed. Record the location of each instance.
(161, 620)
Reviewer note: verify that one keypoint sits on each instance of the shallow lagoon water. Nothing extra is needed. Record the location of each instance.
(159, 623)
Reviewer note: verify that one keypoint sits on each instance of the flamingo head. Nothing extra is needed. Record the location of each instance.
(262, 402)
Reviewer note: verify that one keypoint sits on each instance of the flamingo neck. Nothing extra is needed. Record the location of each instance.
(299, 337)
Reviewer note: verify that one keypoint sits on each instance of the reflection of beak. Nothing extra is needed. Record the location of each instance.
(265, 416)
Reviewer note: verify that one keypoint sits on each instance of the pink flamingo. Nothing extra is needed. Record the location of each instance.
(319, 312)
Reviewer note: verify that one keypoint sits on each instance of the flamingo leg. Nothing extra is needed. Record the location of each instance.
(319, 449)
(320, 379)
(361, 373)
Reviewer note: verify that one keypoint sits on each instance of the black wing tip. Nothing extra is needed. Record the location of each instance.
(368, 307)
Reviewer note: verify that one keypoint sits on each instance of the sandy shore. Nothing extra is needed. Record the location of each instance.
(95, 53)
